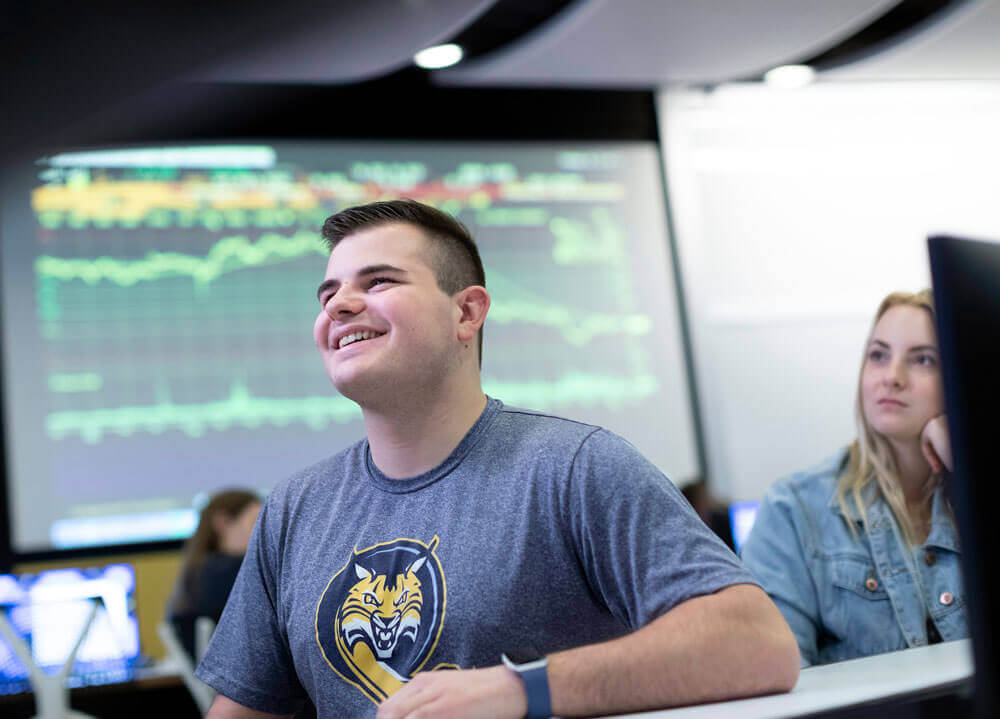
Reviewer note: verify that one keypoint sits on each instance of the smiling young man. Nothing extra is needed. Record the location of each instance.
(545, 559)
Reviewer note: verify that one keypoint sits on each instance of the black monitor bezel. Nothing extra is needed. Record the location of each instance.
(966, 284)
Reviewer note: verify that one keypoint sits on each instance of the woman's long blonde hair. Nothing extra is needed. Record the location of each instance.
(870, 457)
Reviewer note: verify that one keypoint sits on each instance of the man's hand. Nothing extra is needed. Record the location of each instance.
(493, 693)
(936, 444)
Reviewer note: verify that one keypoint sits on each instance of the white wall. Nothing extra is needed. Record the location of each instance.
(795, 212)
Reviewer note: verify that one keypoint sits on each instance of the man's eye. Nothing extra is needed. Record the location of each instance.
(380, 281)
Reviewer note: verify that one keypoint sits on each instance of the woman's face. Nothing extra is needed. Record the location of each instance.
(901, 375)
(234, 532)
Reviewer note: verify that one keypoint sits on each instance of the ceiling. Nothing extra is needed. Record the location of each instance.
(618, 43)
(65, 61)
(964, 45)
(345, 42)
(646, 43)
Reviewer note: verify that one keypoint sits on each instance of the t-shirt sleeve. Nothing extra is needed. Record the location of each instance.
(248, 659)
(643, 548)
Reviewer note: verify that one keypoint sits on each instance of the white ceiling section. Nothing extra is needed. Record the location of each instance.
(649, 43)
(618, 43)
(964, 45)
(358, 41)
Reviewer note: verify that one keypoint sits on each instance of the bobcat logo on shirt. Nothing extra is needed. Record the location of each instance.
(380, 617)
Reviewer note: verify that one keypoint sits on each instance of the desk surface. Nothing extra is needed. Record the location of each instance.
(823, 688)
(845, 684)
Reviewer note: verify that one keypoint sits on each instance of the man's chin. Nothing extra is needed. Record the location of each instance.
(363, 388)
(353, 391)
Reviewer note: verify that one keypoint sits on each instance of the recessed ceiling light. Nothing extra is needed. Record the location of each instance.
(439, 56)
(790, 76)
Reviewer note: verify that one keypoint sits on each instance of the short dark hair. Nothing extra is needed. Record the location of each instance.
(454, 257)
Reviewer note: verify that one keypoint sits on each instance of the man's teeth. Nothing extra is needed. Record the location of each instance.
(356, 337)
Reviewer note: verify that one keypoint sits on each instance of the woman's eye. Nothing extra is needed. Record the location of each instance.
(876, 355)
(926, 360)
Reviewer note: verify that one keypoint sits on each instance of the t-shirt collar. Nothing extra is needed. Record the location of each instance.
(414, 484)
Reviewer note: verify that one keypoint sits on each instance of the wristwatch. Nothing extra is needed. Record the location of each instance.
(532, 667)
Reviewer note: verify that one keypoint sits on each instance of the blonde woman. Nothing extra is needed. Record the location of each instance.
(861, 553)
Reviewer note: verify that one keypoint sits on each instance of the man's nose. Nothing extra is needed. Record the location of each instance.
(348, 301)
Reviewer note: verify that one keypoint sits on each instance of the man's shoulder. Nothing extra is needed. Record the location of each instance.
(321, 474)
(533, 420)
(537, 427)
(560, 437)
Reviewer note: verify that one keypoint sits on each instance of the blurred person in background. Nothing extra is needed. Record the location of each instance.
(212, 558)
(712, 510)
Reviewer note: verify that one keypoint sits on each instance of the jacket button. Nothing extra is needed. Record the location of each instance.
(947, 598)
(871, 584)
(930, 559)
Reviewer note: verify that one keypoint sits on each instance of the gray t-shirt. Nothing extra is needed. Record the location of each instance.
(536, 533)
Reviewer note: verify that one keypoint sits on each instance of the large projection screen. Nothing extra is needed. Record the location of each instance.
(158, 304)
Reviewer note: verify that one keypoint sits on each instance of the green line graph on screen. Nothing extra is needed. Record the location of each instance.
(242, 409)
(182, 300)
(228, 254)
(233, 254)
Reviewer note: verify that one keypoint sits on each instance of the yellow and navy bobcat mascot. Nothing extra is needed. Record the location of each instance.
(383, 632)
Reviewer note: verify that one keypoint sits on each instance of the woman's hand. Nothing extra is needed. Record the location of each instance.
(936, 444)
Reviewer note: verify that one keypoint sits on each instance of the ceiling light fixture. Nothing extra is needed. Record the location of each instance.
(789, 77)
(438, 56)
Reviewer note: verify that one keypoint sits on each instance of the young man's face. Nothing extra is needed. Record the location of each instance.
(385, 329)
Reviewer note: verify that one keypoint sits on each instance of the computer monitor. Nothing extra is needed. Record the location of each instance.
(741, 519)
(48, 611)
(966, 278)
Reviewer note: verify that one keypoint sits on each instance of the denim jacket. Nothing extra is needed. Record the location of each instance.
(848, 596)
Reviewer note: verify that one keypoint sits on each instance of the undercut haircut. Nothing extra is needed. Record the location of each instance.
(453, 255)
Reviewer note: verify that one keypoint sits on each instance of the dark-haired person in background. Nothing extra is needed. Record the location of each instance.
(460, 529)
(861, 553)
(710, 509)
(212, 558)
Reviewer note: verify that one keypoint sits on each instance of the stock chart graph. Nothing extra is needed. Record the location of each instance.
(168, 347)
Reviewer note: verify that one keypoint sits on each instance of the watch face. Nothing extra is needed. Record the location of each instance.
(523, 655)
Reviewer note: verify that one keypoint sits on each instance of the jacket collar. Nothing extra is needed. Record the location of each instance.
(869, 496)
(943, 534)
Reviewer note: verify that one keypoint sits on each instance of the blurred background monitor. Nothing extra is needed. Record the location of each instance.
(158, 304)
(49, 609)
(966, 278)
(741, 518)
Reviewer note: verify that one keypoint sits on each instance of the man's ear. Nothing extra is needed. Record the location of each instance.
(472, 303)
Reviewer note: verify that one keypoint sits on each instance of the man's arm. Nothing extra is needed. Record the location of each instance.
(223, 708)
(733, 643)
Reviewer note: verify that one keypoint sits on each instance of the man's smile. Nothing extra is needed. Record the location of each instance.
(358, 336)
